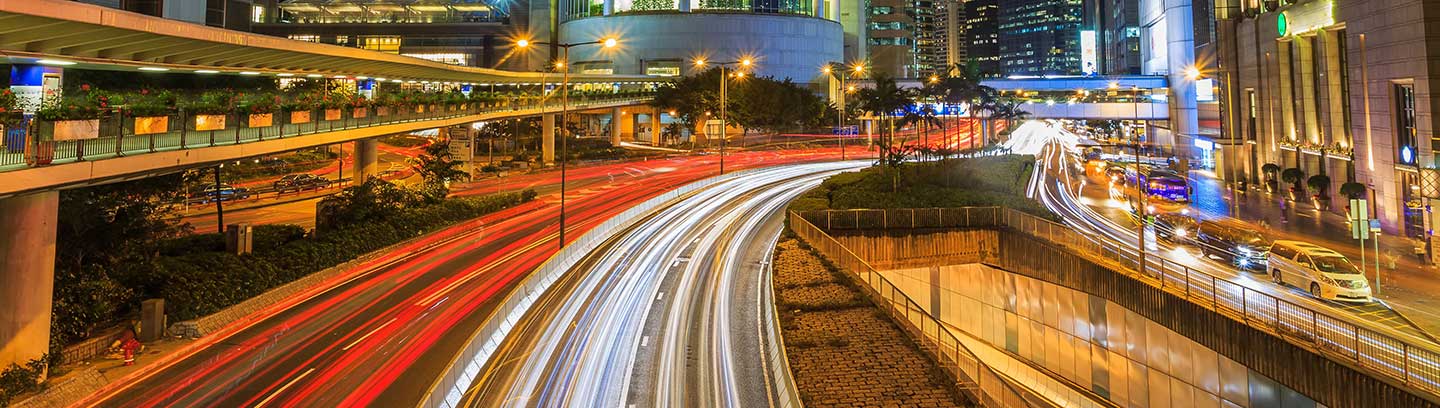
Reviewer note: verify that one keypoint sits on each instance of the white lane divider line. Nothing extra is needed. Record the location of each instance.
(644, 341)
(283, 388)
(367, 335)
(660, 296)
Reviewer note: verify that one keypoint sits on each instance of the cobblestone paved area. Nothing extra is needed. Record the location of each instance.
(843, 351)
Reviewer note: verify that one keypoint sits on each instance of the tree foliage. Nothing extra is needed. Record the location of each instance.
(759, 103)
(437, 169)
(110, 232)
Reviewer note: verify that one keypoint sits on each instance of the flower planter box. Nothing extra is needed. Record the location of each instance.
(209, 122)
(382, 111)
(77, 129)
(146, 125)
(297, 117)
(332, 114)
(261, 120)
(360, 113)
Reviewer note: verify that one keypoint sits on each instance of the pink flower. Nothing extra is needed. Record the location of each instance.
(85, 87)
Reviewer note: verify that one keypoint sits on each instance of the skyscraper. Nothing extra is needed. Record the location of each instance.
(982, 35)
(950, 30)
(904, 39)
(1117, 24)
(1040, 37)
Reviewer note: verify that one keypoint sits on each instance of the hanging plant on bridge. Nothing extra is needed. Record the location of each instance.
(150, 109)
(298, 106)
(211, 108)
(9, 108)
(259, 109)
(76, 116)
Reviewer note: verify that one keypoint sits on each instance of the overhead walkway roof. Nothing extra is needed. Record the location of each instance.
(101, 37)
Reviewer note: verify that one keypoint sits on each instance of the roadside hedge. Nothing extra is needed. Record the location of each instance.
(196, 278)
(961, 182)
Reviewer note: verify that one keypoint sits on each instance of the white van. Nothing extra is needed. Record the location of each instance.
(1324, 273)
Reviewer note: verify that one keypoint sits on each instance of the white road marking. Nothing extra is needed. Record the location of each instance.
(283, 388)
(367, 335)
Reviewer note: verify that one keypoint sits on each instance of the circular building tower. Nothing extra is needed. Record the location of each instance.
(786, 38)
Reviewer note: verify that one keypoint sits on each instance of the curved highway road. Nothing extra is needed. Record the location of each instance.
(669, 313)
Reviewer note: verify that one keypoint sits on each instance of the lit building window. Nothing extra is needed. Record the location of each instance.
(342, 39)
(445, 58)
(257, 14)
(382, 43)
(301, 37)
(662, 68)
(595, 67)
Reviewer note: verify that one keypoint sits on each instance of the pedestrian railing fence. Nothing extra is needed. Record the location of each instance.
(989, 386)
(1408, 361)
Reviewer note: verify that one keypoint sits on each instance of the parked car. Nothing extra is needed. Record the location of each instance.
(1324, 273)
(1176, 228)
(300, 182)
(1236, 242)
(223, 192)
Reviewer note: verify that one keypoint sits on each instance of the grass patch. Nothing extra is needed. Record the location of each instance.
(961, 182)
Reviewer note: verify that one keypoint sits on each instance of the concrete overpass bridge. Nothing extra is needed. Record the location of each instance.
(1127, 97)
(41, 39)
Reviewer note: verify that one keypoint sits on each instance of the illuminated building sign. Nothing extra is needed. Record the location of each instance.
(1088, 52)
(1282, 24)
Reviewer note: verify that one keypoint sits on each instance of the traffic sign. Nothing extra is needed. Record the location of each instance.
(1359, 212)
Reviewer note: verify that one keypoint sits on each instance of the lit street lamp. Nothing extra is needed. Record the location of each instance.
(724, 80)
(564, 106)
(833, 70)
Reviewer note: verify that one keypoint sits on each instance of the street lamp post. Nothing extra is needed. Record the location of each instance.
(564, 106)
(1140, 198)
(724, 81)
(830, 69)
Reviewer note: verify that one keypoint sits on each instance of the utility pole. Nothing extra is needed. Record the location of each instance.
(219, 198)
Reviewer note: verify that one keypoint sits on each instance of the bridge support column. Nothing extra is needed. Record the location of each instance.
(615, 115)
(366, 154)
(27, 274)
(547, 140)
(655, 131)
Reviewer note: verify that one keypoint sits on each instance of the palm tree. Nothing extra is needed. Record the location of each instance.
(963, 86)
(884, 100)
(1007, 110)
(924, 115)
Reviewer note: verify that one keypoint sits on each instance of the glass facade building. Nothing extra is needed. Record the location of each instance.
(457, 32)
(1040, 37)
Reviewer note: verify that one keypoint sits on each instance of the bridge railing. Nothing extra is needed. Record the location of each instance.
(1408, 361)
(992, 388)
(33, 142)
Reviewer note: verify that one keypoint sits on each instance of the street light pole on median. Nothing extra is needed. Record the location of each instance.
(724, 80)
(831, 69)
(564, 106)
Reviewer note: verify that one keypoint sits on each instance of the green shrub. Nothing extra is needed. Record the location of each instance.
(197, 283)
(965, 182)
(17, 379)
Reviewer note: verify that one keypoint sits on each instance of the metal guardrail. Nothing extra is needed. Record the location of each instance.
(1412, 363)
(464, 368)
(992, 388)
(774, 342)
(29, 144)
